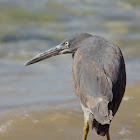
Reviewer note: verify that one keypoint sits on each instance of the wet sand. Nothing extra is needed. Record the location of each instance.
(67, 124)
(30, 107)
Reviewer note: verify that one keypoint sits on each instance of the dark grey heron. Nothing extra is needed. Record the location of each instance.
(98, 77)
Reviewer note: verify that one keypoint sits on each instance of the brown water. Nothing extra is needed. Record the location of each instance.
(67, 123)
(38, 102)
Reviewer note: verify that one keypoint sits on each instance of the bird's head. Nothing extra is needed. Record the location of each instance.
(69, 45)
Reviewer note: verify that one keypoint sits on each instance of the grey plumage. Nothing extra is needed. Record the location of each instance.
(99, 79)
(98, 73)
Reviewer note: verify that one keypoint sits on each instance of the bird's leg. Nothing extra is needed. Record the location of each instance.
(86, 128)
(107, 134)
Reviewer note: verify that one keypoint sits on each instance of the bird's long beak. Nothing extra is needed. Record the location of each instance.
(47, 54)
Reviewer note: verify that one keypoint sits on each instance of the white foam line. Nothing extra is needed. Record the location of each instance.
(3, 127)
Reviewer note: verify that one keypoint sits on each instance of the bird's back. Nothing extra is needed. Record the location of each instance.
(99, 79)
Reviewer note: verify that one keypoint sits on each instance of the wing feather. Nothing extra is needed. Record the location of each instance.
(95, 70)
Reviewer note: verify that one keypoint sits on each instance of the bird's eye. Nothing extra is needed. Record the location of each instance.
(67, 43)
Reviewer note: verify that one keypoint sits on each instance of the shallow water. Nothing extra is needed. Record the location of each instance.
(37, 85)
(38, 102)
(66, 122)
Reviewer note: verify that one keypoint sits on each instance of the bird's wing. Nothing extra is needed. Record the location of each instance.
(92, 86)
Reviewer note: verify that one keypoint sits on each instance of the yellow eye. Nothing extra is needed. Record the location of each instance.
(67, 43)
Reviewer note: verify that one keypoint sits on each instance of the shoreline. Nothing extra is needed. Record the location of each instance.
(66, 123)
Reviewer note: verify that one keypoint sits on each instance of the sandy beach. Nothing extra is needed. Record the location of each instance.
(38, 102)
(67, 123)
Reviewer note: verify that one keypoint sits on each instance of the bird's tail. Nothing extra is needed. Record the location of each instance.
(99, 128)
